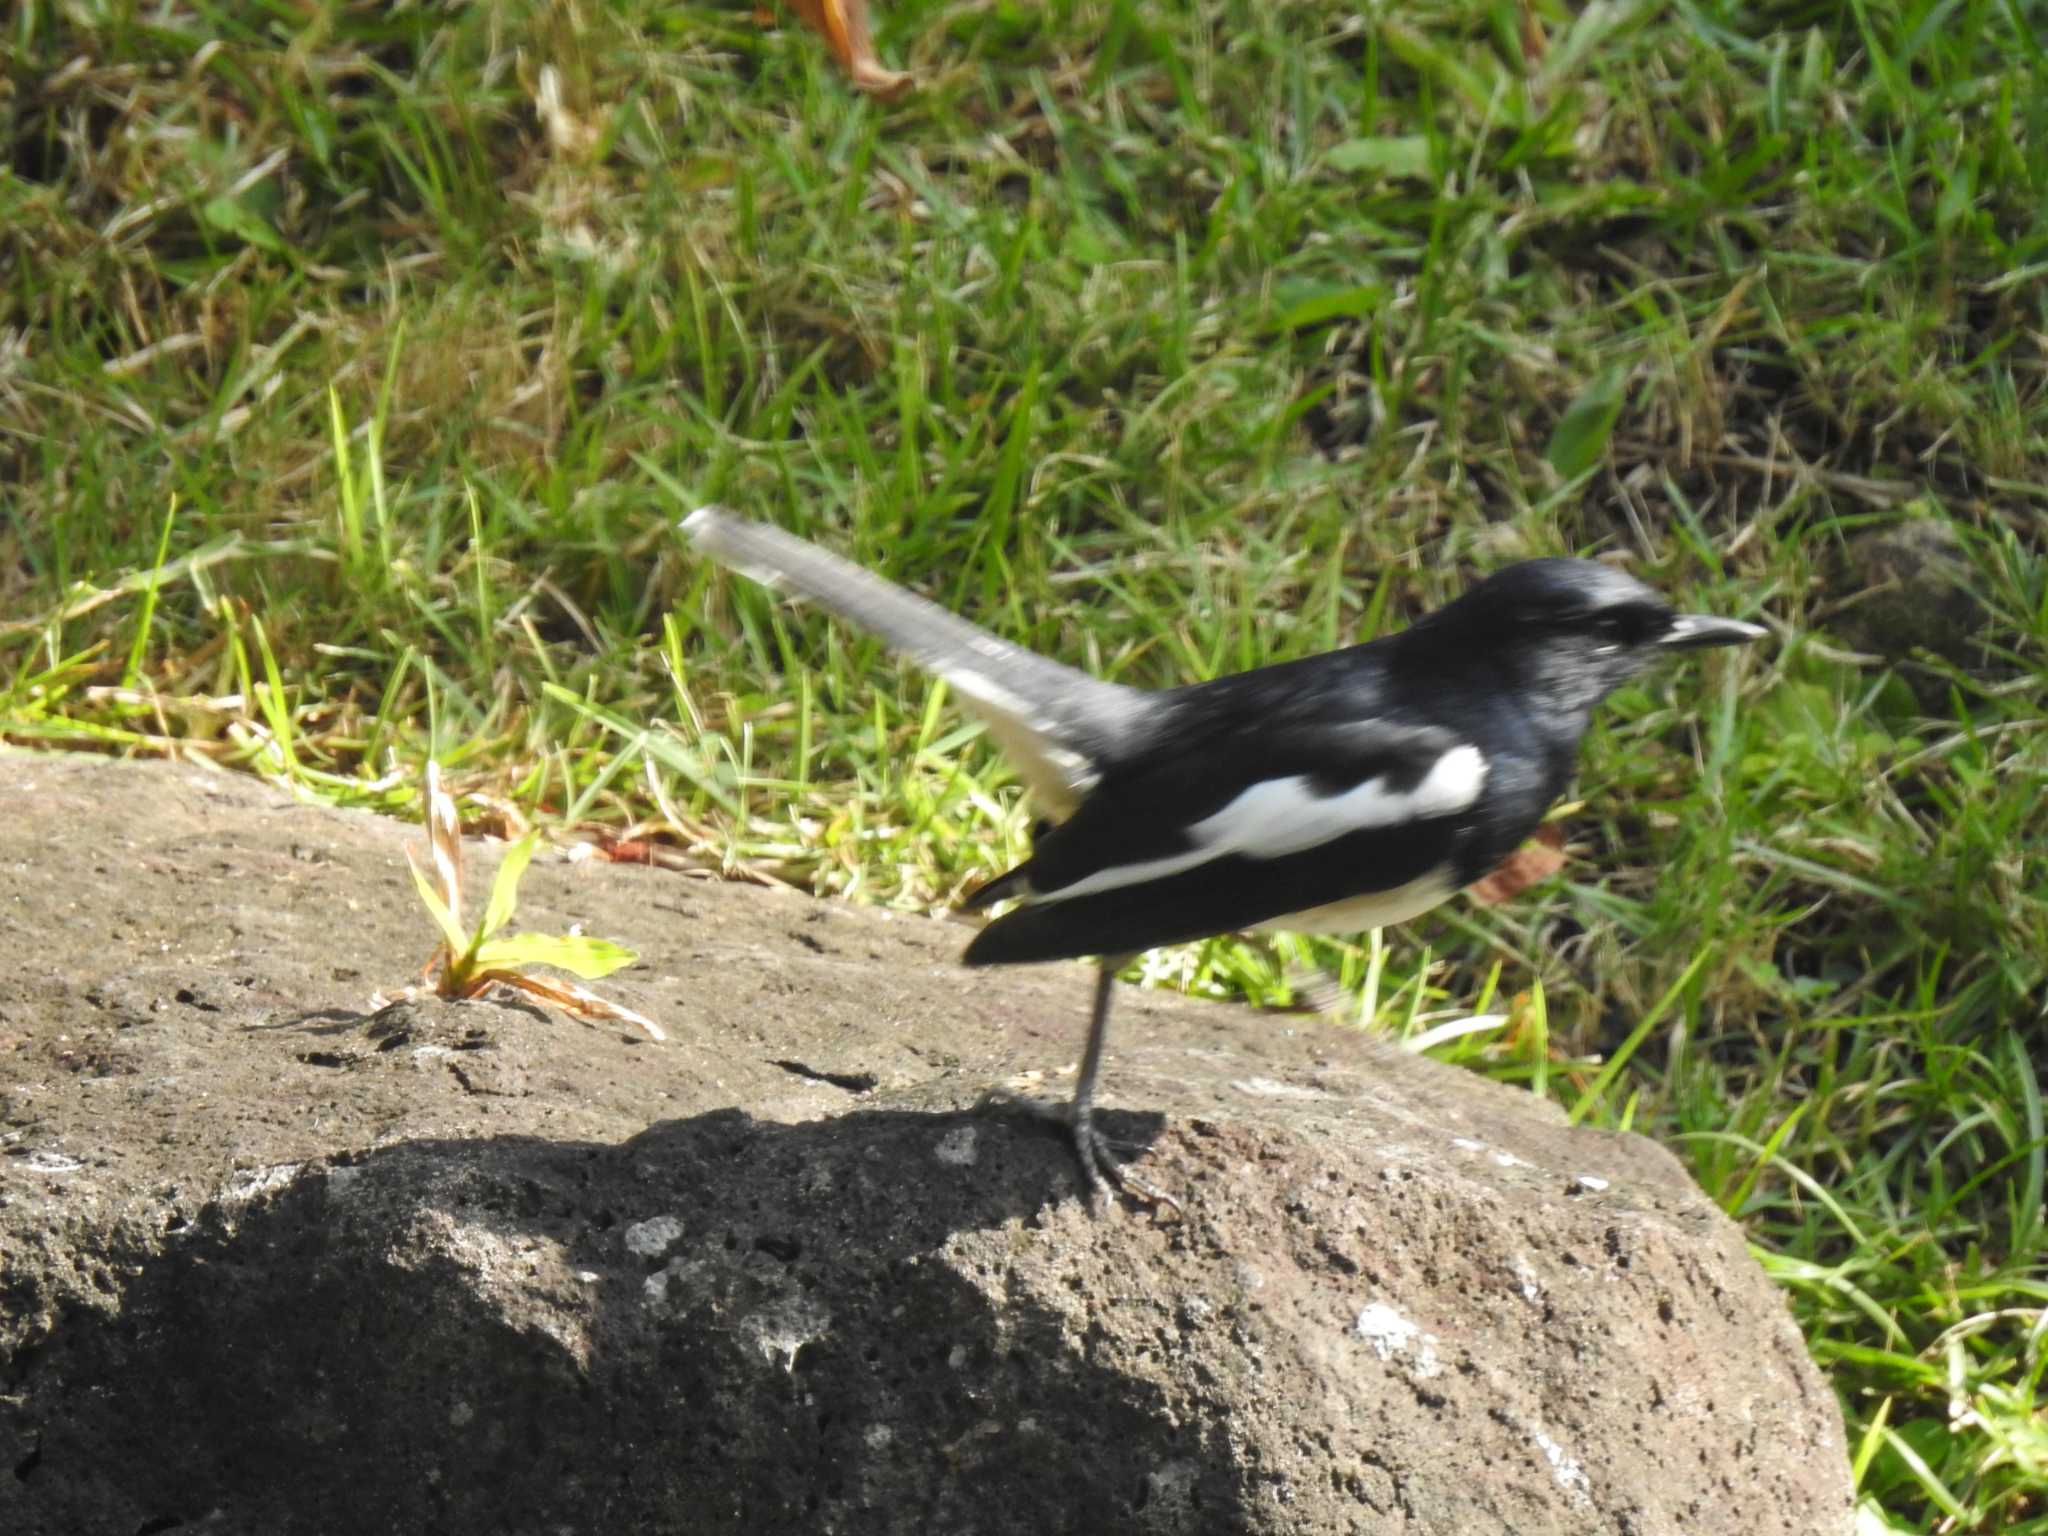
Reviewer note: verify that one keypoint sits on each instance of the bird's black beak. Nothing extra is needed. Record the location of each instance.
(1693, 631)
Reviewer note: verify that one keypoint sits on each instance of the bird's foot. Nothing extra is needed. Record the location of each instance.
(1101, 1167)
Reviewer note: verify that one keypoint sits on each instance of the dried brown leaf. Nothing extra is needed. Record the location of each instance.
(565, 995)
(1531, 864)
(844, 26)
(1534, 42)
(444, 839)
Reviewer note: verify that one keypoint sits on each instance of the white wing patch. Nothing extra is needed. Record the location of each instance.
(1283, 816)
(1278, 817)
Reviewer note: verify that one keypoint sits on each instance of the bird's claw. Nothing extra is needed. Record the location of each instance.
(1101, 1168)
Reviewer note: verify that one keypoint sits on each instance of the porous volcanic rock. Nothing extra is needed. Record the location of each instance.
(270, 1263)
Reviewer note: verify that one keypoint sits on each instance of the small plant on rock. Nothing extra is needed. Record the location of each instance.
(468, 963)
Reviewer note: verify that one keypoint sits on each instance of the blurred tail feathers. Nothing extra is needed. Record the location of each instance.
(1057, 725)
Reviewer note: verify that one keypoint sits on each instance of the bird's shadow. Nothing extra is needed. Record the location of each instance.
(718, 1325)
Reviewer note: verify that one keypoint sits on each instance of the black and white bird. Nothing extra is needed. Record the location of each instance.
(1334, 794)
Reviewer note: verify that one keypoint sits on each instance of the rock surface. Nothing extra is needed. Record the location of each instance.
(271, 1265)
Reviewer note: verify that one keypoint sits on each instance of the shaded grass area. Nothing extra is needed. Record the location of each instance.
(355, 362)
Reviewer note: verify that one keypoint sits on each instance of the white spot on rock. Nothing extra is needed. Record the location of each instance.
(1267, 1088)
(1591, 1182)
(1386, 1330)
(957, 1148)
(247, 1183)
(461, 1414)
(878, 1437)
(1571, 1477)
(779, 1332)
(1393, 1336)
(654, 1237)
(1467, 1144)
(52, 1162)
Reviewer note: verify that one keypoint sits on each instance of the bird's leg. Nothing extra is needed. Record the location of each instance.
(1089, 1146)
(1099, 1164)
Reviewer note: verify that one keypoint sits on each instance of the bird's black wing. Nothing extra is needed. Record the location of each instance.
(1234, 827)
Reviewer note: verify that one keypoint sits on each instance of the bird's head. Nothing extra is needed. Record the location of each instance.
(1575, 630)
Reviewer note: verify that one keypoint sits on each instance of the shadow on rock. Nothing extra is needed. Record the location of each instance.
(720, 1325)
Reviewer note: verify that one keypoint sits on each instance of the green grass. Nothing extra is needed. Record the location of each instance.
(345, 411)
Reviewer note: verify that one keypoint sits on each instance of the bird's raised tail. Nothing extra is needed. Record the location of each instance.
(1057, 725)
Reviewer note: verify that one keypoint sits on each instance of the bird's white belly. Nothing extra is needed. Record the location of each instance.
(1374, 909)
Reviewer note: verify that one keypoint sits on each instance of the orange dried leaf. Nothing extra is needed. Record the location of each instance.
(569, 997)
(844, 26)
(1531, 864)
(1534, 43)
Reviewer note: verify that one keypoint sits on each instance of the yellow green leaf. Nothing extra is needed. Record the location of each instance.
(505, 887)
(243, 222)
(1404, 156)
(1582, 432)
(588, 958)
(451, 929)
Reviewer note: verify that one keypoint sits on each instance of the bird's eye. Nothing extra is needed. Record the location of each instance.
(1621, 627)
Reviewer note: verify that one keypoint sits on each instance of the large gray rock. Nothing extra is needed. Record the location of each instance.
(270, 1265)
